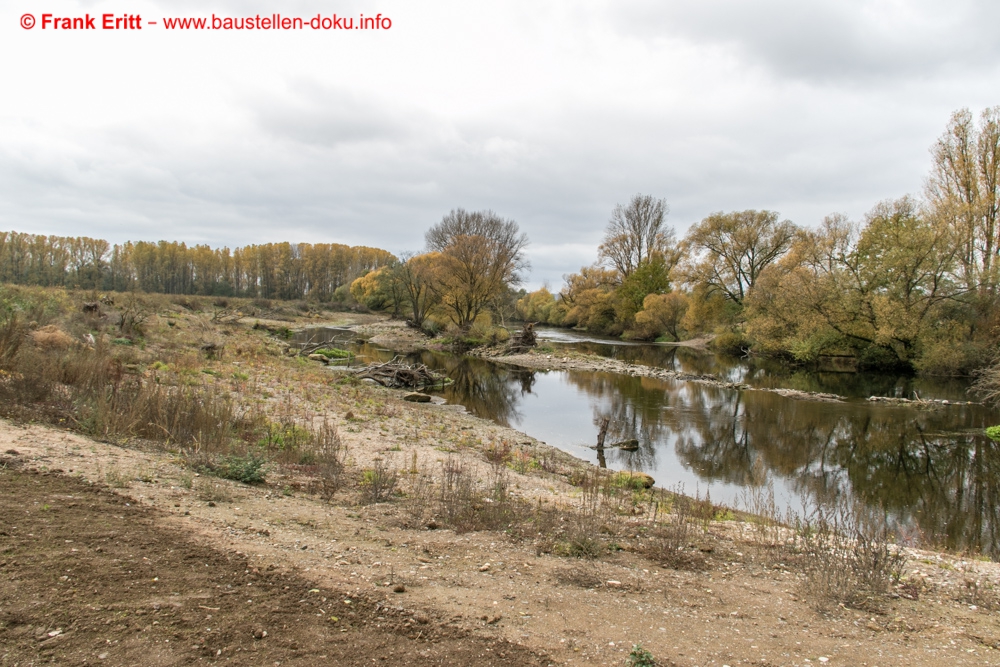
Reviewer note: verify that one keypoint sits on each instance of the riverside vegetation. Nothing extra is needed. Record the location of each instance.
(202, 386)
(913, 286)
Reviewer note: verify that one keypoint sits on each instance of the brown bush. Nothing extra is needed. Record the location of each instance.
(51, 337)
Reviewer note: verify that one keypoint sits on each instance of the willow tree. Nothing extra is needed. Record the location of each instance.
(729, 251)
(416, 275)
(481, 257)
(882, 289)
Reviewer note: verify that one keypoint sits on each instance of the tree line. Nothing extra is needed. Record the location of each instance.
(912, 285)
(320, 271)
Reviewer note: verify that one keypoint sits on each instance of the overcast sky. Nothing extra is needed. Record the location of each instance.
(549, 113)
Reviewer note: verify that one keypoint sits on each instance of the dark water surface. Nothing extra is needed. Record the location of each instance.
(934, 471)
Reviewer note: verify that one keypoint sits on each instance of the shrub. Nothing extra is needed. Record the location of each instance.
(248, 468)
(731, 343)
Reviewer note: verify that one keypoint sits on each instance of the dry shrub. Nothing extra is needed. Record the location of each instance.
(213, 491)
(584, 529)
(378, 482)
(979, 593)
(330, 453)
(669, 541)
(584, 577)
(51, 337)
(763, 529)
(850, 556)
(133, 317)
(466, 504)
(11, 337)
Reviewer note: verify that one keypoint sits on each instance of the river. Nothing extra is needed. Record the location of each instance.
(932, 471)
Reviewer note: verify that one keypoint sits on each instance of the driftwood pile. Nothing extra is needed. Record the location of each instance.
(397, 374)
(523, 340)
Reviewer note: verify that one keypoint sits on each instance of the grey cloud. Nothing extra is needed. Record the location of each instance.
(842, 41)
(323, 116)
(314, 161)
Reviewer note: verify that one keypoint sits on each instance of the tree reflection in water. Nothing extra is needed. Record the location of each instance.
(933, 471)
(487, 390)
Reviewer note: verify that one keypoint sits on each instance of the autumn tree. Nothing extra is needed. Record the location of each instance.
(730, 250)
(964, 192)
(661, 313)
(481, 256)
(542, 306)
(882, 289)
(589, 298)
(416, 275)
(636, 234)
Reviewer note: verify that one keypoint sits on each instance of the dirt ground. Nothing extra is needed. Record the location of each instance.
(169, 568)
(89, 577)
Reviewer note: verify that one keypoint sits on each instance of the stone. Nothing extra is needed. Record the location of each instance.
(318, 357)
(417, 397)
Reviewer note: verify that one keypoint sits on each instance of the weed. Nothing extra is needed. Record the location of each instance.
(498, 453)
(668, 541)
(117, 479)
(378, 482)
(581, 542)
(640, 657)
(523, 462)
(215, 492)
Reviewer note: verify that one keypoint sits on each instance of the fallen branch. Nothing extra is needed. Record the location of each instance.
(397, 374)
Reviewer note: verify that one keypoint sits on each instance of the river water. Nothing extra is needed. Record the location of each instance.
(932, 471)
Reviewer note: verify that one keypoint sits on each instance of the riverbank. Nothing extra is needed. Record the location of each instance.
(487, 539)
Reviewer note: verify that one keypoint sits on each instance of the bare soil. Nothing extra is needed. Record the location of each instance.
(139, 574)
(90, 577)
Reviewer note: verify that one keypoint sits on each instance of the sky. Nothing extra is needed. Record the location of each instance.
(547, 112)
